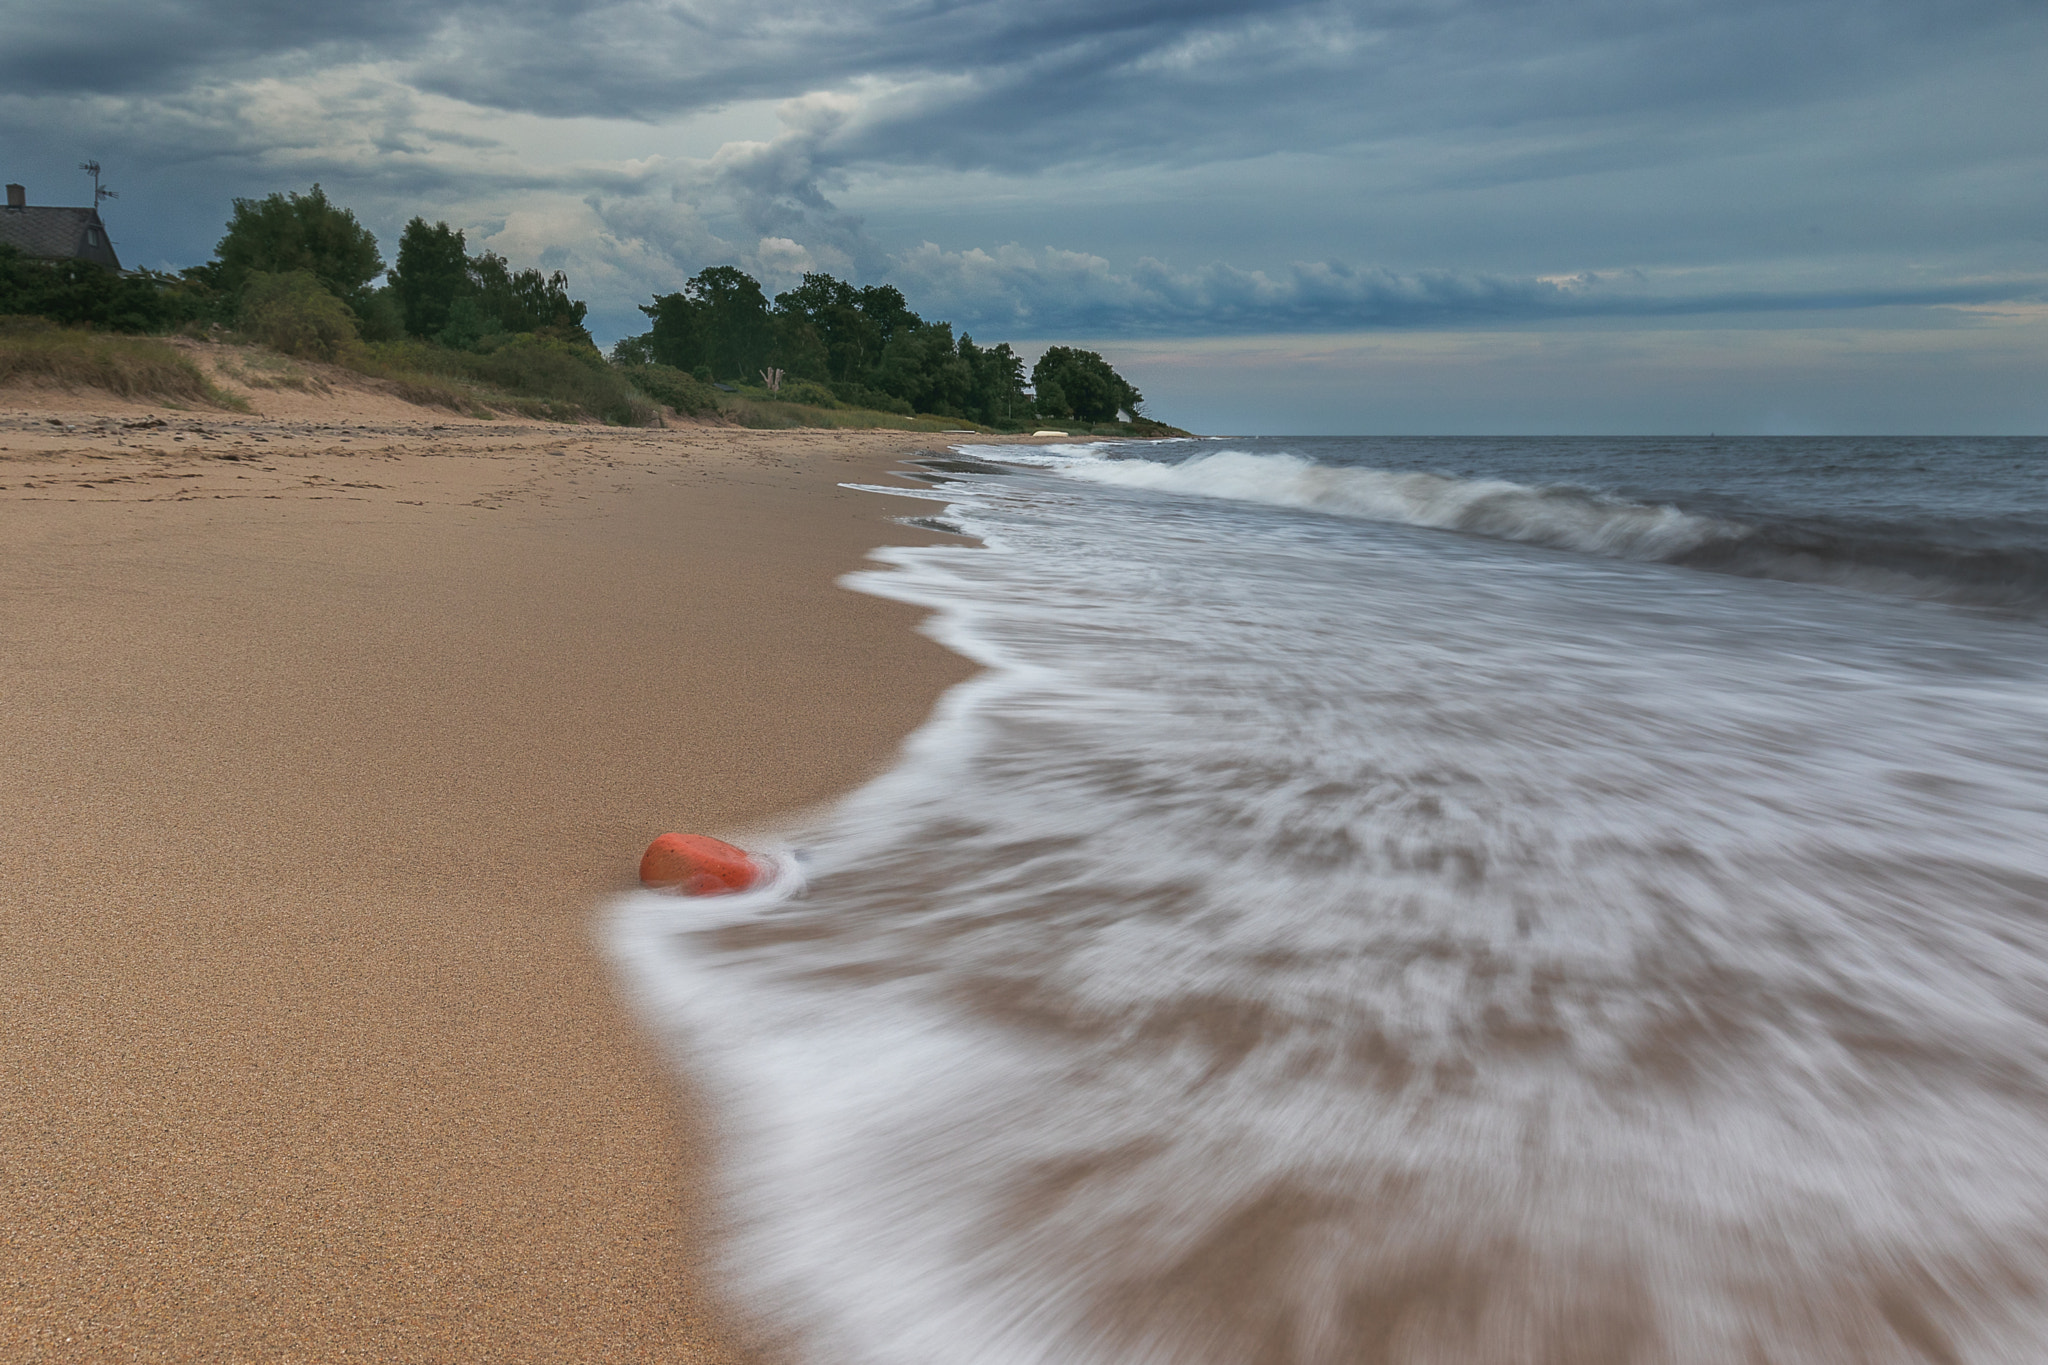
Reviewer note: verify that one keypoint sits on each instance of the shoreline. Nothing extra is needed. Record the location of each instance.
(325, 741)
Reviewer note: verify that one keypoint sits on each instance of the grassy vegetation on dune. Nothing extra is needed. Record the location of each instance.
(799, 404)
(774, 416)
(682, 391)
(548, 375)
(534, 376)
(38, 351)
(759, 409)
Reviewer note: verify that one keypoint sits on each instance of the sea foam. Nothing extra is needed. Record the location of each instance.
(1319, 940)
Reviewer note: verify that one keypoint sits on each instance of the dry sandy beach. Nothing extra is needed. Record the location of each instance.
(323, 735)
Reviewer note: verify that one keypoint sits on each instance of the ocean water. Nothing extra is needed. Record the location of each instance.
(1416, 901)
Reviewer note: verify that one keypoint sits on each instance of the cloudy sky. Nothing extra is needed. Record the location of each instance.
(1349, 215)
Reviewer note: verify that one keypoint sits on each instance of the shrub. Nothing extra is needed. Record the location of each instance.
(633, 351)
(378, 316)
(861, 396)
(72, 292)
(807, 391)
(545, 367)
(469, 327)
(665, 384)
(294, 313)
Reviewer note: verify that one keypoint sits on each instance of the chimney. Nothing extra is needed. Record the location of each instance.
(17, 197)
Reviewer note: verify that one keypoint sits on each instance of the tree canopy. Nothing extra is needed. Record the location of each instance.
(719, 322)
(445, 294)
(865, 344)
(1081, 385)
(282, 233)
(432, 272)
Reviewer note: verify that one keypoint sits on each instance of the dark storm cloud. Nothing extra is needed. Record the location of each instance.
(120, 47)
(1047, 81)
(1552, 88)
(1522, 90)
(1474, 96)
(1505, 137)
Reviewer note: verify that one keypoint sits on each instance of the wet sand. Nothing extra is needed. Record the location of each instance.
(322, 740)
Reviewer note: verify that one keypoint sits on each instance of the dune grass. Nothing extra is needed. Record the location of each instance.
(554, 382)
(38, 351)
(534, 377)
(264, 369)
(772, 414)
(686, 393)
(801, 404)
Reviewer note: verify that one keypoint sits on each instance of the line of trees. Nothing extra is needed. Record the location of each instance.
(436, 291)
(868, 348)
(302, 267)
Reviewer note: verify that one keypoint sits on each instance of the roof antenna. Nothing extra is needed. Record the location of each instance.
(100, 193)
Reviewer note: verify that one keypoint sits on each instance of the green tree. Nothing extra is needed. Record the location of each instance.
(633, 351)
(463, 301)
(432, 273)
(720, 319)
(996, 396)
(884, 308)
(522, 301)
(470, 325)
(283, 233)
(922, 366)
(829, 312)
(1081, 385)
(871, 349)
(676, 338)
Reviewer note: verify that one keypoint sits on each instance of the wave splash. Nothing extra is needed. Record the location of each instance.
(1934, 560)
(1562, 517)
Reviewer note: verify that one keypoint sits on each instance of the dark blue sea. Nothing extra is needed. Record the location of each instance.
(1413, 901)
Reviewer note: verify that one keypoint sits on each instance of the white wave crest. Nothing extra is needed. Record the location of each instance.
(1561, 517)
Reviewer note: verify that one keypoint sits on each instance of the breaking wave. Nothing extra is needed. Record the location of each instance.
(1961, 561)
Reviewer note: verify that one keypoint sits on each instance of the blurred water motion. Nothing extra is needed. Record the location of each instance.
(1318, 939)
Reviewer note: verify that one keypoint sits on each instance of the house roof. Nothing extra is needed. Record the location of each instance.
(54, 234)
